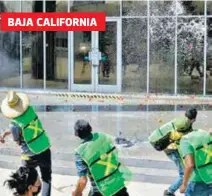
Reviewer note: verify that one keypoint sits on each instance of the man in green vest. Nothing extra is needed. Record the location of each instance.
(97, 158)
(196, 150)
(167, 138)
(27, 130)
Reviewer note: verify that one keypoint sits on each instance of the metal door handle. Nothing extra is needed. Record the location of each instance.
(95, 56)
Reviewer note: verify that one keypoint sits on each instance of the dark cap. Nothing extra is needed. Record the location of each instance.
(191, 113)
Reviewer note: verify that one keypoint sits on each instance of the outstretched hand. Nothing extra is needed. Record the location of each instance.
(182, 188)
(2, 139)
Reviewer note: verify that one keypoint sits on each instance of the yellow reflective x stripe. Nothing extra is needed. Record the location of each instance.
(34, 126)
(108, 164)
(25, 157)
(208, 150)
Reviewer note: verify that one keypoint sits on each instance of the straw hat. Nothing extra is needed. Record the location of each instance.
(15, 104)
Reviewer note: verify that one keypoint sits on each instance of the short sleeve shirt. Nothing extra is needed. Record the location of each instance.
(16, 133)
(187, 149)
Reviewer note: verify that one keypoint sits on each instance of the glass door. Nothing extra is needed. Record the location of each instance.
(96, 59)
(109, 69)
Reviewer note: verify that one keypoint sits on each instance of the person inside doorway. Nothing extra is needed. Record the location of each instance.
(105, 65)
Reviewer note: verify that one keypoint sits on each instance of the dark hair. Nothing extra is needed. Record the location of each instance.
(21, 180)
(191, 113)
(82, 129)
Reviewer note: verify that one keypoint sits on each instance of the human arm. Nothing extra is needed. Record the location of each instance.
(187, 154)
(189, 166)
(4, 134)
(81, 184)
(82, 171)
(15, 130)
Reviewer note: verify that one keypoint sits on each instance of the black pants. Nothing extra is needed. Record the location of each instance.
(105, 69)
(122, 192)
(43, 161)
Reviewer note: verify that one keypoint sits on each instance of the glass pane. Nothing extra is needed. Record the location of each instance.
(134, 55)
(209, 7)
(209, 57)
(190, 58)
(32, 50)
(162, 8)
(162, 47)
(57, 51)
(190, 8)
(9, 50)
(82, 66)
(108, 63)
(134, 8)
(112, 8)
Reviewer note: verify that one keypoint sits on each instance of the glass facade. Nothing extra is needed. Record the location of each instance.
(165, 48)
(10, 66)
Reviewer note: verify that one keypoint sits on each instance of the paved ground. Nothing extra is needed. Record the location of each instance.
(63, 186)
(134, 126)
(132, 117)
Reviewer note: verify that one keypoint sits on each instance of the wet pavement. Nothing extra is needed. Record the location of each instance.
(129, 124)
(120, 108)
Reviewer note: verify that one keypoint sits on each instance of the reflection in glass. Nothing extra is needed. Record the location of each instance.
(209, 57)
(190, 55)
(9, 50)
(162, 45)
(134, 8)
(82, 66)
(57, 51)
(209, 7)
(162, 8)
(112, 8)
(190, 8)
(32, 50)
(107, 46)
(134, 55)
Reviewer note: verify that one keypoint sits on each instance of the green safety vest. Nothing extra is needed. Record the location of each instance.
(32, 131)
(201, 141)
(160, 138)
(102, 159)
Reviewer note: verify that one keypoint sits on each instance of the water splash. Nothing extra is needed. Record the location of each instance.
(9, 47)
(9, 55)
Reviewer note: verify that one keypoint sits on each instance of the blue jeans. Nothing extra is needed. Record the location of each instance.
(198, 189)
(175, 157)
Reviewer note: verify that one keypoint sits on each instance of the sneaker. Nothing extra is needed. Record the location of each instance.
(167, 193)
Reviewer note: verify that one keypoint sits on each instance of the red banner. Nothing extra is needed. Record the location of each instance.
(53, 21)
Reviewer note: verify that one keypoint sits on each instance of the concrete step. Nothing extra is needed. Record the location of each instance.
(143, 170)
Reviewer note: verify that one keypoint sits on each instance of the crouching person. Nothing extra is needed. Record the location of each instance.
(97, 158)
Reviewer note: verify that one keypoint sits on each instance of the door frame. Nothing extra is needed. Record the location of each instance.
(79, 87)
(94, 86)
